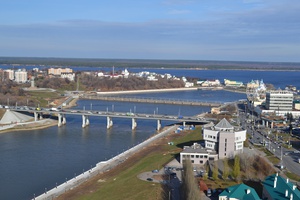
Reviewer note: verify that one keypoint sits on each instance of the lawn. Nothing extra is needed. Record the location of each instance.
(123, 182)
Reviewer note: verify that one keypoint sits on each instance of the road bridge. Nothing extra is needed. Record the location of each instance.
(62, 120)
(152, 100)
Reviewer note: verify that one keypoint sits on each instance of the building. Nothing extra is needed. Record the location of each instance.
(70, 76)
(9, 74)
(59, 71)
(224, 138)
(21, 76)
(276, 187)
(197, 154)
(279, 100)
(231, 83)
(240, 191)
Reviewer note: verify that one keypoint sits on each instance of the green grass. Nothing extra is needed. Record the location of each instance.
(126, 185)
(273, 159)
(41, 97)
(292, 176)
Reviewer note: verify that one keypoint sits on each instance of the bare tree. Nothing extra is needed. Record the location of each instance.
(190, 188)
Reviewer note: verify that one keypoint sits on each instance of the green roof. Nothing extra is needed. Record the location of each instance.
(282, 186)
(241, 191)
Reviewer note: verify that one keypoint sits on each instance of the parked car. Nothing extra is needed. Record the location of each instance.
(155, 171)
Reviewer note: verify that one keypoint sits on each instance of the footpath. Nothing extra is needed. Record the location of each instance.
(100, 167)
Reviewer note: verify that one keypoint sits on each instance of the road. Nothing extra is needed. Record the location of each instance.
(289, 157)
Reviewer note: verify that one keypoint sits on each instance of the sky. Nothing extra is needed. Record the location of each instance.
(229, 30)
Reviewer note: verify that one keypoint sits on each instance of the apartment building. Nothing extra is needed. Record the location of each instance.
(21, 76)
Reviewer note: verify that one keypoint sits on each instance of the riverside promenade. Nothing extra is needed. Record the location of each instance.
(100, 167)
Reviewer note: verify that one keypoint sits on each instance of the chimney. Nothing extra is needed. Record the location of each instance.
(291, 197)
(286, 193)
(287, 180)
(275, 182)
(248, 191)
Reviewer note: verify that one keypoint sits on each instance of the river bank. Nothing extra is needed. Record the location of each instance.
(105, 167)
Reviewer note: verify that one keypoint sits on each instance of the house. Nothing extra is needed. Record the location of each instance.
(240, 191)
(277, 187)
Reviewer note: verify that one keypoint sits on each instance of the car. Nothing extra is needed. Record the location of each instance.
(155, 171)
(208, 192)
(296, 151)
(149, 179)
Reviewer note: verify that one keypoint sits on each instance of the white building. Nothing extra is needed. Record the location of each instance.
(70, 76)
(197, 154)
(280, 100)
(21, 76)
(224, 139)
(10, 74)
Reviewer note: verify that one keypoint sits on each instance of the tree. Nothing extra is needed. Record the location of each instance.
(191, 189)
(236, 168)
(215, 171)
(226, 169)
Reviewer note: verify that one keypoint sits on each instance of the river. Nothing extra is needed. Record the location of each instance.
(35, 161)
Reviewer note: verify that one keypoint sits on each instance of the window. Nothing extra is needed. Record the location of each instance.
(205, 156)
(197, 156)
(201, 161)
(192, 161)
(192, 156)
(201, 156)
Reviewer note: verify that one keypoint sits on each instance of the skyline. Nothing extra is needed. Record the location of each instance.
(244, 30)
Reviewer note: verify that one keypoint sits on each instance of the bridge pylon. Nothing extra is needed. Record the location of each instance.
(109, 122)
(158, 124)
(134, 124)
(85, 121)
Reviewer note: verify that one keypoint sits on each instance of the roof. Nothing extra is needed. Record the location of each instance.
(224, 124)
(13, 117)
(241, 191)
(282, 187)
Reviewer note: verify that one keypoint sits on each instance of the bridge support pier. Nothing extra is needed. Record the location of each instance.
(109, 123)
(59, 120)
(183, 124)
(134, 124)
(64, 121)
(36, 116)
(85, 121)
(158, 124)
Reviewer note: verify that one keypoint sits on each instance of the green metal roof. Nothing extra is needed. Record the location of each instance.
(282, 186)
(240, 192)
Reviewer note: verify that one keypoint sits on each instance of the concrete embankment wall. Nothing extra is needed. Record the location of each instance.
(100, 167)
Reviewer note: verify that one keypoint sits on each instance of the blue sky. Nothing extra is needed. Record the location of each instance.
(234, 30)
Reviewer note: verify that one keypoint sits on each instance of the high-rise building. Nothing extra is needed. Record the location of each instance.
(21, 76)
(280, 100)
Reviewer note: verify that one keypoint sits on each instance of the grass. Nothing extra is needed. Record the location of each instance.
(43, 97)
(273, 159)
(292, 176)
(126, 185)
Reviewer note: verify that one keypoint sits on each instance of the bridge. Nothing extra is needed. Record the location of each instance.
(151, 100)
(61, 114)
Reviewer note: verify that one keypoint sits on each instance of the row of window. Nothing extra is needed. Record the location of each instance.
(194, 156)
